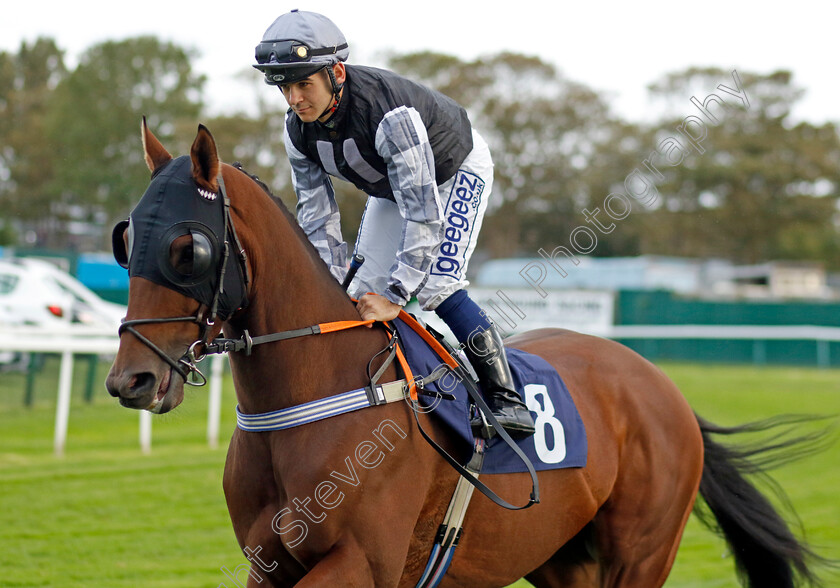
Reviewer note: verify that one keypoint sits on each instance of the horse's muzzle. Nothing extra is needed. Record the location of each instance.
(145, 390)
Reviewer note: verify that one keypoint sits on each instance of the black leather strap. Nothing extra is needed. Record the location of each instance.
(474, 393)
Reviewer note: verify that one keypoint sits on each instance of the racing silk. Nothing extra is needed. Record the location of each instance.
(393, 139)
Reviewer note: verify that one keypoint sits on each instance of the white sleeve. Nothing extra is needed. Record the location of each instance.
(403, 142)
(317, 211)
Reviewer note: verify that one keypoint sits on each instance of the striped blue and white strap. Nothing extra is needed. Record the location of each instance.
(449, 532)
(317, 410)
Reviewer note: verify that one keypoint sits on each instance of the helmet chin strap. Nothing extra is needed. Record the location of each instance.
(336, 88)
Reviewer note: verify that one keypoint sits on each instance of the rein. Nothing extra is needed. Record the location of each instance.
(186, 364)
(246, 342)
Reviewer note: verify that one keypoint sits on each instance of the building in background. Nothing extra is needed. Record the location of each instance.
(688, 277)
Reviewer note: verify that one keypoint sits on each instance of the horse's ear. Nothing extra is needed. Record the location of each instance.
(205, 159)
(155, 154)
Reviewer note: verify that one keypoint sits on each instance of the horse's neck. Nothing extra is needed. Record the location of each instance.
(292, 289)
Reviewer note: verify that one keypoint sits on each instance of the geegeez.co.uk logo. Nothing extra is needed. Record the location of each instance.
(459, 220)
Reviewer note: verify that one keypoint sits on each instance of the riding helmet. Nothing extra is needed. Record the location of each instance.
(297, 45)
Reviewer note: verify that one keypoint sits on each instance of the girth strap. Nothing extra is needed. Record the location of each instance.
(449, 532)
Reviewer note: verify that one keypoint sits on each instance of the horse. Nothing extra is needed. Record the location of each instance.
(356, 499)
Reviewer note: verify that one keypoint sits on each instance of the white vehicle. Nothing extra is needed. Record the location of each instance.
(35, 292)
(26, 300)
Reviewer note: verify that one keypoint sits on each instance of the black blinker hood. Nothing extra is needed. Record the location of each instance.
(172, 206)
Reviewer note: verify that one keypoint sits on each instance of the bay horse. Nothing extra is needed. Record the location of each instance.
(356, 499)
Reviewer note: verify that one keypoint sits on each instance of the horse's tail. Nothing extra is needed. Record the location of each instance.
(765, 549)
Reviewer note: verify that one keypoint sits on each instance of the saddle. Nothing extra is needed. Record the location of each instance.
(560, 438)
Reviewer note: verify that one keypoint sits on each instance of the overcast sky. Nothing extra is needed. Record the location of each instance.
(616, 47)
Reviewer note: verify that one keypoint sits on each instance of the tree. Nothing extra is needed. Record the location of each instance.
(256, 141)
(546, 133)
(95, 120)
(764, 188)
(27, 81)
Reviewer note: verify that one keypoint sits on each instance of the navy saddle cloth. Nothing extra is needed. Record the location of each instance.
(560, 438)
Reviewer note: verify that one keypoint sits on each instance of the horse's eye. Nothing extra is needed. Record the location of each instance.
(181, 255)
(184, 265)
(191, 255)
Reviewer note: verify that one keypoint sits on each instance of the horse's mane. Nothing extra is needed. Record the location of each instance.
(263, 185)
(310, 248)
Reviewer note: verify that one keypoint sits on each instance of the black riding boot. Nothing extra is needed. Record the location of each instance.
(496, 383)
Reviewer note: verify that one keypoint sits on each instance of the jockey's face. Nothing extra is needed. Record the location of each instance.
(311, 97)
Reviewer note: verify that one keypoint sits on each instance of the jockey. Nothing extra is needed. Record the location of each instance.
(428, 176)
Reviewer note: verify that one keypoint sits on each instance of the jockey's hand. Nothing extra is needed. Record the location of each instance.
(376, 307)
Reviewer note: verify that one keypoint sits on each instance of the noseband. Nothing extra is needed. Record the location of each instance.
(186, 364)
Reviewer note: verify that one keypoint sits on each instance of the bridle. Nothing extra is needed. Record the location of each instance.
(186, 364)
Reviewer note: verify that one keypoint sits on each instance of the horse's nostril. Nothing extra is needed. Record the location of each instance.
(141, 383)
(133, 387)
